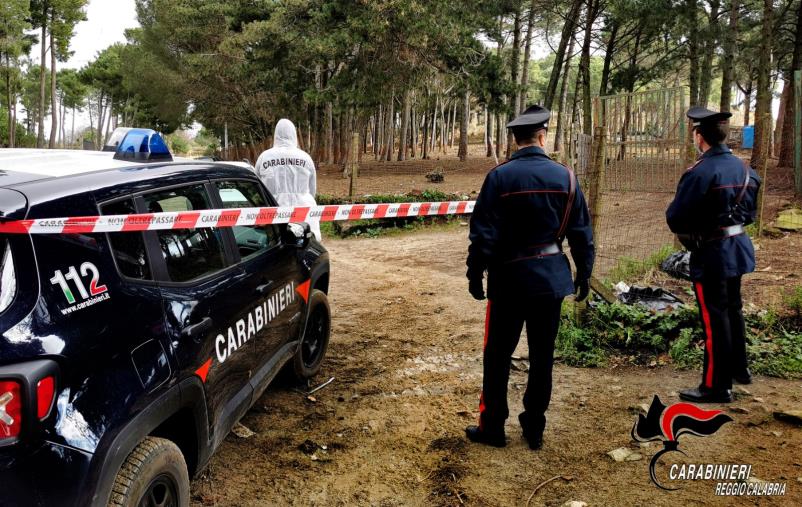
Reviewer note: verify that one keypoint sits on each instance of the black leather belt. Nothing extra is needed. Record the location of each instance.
(533, 252)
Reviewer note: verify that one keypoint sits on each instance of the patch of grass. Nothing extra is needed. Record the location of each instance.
(641, 336)
(629, 269)
(792, 299)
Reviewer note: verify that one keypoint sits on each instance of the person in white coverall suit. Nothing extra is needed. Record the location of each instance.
(288, 171)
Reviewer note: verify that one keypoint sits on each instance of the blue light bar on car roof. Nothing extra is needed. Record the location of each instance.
(142, 145)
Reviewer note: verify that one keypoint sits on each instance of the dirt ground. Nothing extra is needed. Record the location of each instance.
(405, 355)
(633, 223)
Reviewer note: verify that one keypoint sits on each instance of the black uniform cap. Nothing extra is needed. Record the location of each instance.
(535, 116)
(700, 115)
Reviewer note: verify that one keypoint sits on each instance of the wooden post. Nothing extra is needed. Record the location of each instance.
(597, 177)
(763, 172)
(798, 132)
(353, 162)
(596, 174)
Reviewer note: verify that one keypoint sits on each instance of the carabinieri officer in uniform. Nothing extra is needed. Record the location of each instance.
(715, 199)
(526, 207)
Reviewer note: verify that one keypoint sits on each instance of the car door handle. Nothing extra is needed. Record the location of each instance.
(197, 330)
(264, 289)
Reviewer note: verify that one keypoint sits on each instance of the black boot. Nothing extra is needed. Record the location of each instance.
(703, 395)
(480, 436)
(743, 378)
(532, 429)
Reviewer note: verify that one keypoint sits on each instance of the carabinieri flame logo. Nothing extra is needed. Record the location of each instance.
(668, 423)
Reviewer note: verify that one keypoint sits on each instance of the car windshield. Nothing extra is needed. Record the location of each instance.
(8, 280)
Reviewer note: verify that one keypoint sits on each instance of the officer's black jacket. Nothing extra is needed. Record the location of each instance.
(704, 203)
(520, 208)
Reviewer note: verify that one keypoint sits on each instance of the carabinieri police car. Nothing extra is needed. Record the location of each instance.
(127, 357)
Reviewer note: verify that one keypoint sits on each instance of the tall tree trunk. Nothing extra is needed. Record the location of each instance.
(451, 125)
(414, 140)
(443, 148)
(523, 95)
(390, 129)
(559, 58)
(91, 121)
(402, 141)
(787, 148)
(711, 42)
(463, 126)
(609, 51)
(40, 135)
(329, 133)
(72, 129)
(728, 59)
(499, 135)
(488, 132)
(9, 102)
(433, 136)
(108, 124)
(53, 108)
(692, 11)
(762, 150)
(101, 122)
(515, 61)
(584, 66)
(747, 102)
(561, 118)
(379, 144)
(61, 121)
(425, 137)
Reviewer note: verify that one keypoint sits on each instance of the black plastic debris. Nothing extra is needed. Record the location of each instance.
(652, 298)
(678, 265)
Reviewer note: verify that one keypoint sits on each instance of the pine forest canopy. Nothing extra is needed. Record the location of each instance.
(405, 68)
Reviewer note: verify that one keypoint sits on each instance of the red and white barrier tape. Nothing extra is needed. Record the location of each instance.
(231, 217)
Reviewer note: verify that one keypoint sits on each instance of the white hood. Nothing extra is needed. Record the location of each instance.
(285, 135)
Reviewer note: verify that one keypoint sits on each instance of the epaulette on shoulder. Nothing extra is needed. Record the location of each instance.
(691, 168)
(498, 166)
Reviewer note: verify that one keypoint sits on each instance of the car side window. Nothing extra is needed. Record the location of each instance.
(128, 248)
(188, 253)
(251, 239)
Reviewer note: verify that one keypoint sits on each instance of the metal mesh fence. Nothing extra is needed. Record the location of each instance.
(644, 140)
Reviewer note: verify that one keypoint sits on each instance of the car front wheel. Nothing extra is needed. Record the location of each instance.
(153, 475)
(309, 357)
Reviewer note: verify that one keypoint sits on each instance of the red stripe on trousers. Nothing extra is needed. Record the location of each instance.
(709, 333)
(487, 333)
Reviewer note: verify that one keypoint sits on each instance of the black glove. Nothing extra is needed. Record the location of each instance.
(582, 289)
(476, 288)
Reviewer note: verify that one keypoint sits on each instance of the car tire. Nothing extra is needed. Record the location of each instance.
(155, 468)
(315, 341)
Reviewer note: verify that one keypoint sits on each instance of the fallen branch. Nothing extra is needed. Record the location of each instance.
(528, 500)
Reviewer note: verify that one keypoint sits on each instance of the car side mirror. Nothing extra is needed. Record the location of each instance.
(298, 234)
